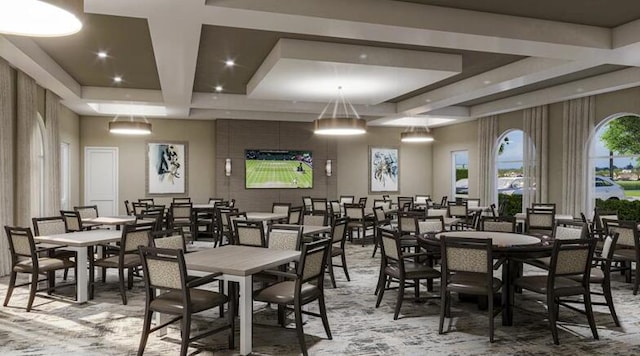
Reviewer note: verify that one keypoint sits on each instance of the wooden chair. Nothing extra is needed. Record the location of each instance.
(628, 247)
(127, 207)
(357, 221)
(281, 208)
(338, 239)
(53, 225)
(504, 224)
(249, 233)
(181, 216)
(148, 201)
(540, 222)
(87, 211)
(295, 215)
(181, 200)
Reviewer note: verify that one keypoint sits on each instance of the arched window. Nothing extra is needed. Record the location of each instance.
(510, 163)
(38, 170)
(615, 159)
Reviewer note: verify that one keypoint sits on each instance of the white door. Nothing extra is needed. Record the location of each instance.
(101, 179)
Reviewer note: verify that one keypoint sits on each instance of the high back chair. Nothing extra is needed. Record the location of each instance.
(357, 221)
(599, 228)
(363, 201)
(25, 258)
(540, 222)
(295, 215)
(347, 199)
(319, 206)
(127, 207)
(169, 290)
(405, 203)
(181, 216)
(472, 202)
(284, 237)
(301, 288)
(169, 239)
(628, 246)
(223, 229)
(335, 209)
(138, 207)
(422, 200)
(231, 217)
(53, 225)
(281, 208)
(181, 200)
(133, 236)
(570, 230)
(87, 211)
(380, 219)
(458, 210)
(338, 239)
(72, 221)
(467, 267)
(306, 204)
(431, 224)
(319, 219)
(408, 223)
(504, 224)
(568, 275)
(249, 233)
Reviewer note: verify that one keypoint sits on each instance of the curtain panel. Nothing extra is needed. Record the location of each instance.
(487, 137)
(535, 124)
(7, 127)
(51, 155)
(578, 119)
(26, 186)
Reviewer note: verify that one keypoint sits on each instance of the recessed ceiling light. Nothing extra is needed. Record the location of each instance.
(579, 90)
(229, 63)
(487, 82)
(102, 54)
(218, 87)
(428, 100)
(117, 79)
(363, 56)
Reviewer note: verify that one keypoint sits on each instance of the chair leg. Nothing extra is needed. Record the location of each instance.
(606, 290)
(553, 309)
(416, 288)
(32, 291)
(298, 313)
(186, 332)
(221, 290)
(12, 284)
(232, 324)
(381, 282)
(130, 278)
(123, 290)
(636, 283)
(145, 331)
(343, 257)
(330, 267)
(323, 315)
(399, 300)
(443, 309)
(589, 311)
(491, 324)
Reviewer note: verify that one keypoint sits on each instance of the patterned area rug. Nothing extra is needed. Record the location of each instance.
(104, 326)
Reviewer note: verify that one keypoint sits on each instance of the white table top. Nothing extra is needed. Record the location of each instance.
(310, 229)
(238, 260)
(500, 239)
(111, 220)
(263, 216)
(81, 238)
(202, 206)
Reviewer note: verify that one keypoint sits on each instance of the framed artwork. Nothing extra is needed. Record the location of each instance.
(167, 168)
(384, 170)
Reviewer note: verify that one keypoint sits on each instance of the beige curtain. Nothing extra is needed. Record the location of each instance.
(487, 137)
(535, 124)
(577, 124)
(26, 128)
(51, 155)
(7, 126)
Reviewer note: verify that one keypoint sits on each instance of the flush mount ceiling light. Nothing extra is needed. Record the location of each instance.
(344, 119)
(130, 127)
(420, 134)
(36, 18)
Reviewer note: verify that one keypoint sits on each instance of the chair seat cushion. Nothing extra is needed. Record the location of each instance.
(538, 284)
(171, 302)
(45, 264)
(596, 276)
(283, 293)
(413, 270)
(472, 283)
(625, 254)
(336, 251)
(130, 260)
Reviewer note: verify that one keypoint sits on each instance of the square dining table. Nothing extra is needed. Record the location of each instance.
(238, 264)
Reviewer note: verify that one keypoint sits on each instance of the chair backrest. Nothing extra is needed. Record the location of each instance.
(152, 214)
(421, 200)
(222, 217)
(313, 261)
(570, 230)
(600, 214)
(408, 223)
(164, 269)
(543, 206)
(336, 209)
(461, 254)
(146, 201)
(380, 217)
(339, 230)
(347, 199)
(458, 209)
(354, 211)
(134, 235)
(472, 202)
(138, 207)
(386, 197)
(403, 201)
(390, 245)
(386, 204)
(181, 211)
(318, 204)
(127, 207)
(284, 237)
(431, 224)
(171, 239)
(571, 258)
(249, 233)
(628, 236)
(609, 246)
(51, 225)
(444, 200)
(306, 203)
(281, 208)
(294, 215)
(540, 219)
(233, 216)
(181, 200)
(72, 221)
(363, 201)
(494, 210)
(21, 244)
(315, 220)
(87, 211)
(213, 201)
(437, 212)
(504, 224)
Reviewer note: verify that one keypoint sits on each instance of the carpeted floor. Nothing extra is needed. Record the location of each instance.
(105, 327)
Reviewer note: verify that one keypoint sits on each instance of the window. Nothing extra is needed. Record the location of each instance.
(65, 184)
(460, 174)
(510, 163)
(38, 170)
(614, 159)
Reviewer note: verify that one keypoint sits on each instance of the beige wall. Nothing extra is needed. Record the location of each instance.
(460, 137)
(353, 164)
(70, 133)
(199, 134)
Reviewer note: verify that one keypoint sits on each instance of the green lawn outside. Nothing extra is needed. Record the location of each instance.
(277, 174)
(629, 184)
(632, 193)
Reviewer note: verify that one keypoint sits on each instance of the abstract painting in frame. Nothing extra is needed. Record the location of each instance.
(384, 170)
(167, 168)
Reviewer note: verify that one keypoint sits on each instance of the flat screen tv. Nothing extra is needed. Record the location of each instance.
(278, 169)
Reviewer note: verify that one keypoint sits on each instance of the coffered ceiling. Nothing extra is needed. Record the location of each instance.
(434, 62)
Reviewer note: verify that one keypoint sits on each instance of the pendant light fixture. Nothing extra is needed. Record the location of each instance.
(416, 135)
(130, 127)
(36, 18)
(344, 119)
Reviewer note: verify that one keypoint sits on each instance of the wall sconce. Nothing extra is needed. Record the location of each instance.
(227, 167)
(327, 168)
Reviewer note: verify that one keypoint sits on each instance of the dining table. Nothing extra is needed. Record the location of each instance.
(511, 247)
(239, 264)
(79, 242)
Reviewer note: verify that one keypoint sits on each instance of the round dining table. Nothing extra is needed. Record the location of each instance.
(511, 247)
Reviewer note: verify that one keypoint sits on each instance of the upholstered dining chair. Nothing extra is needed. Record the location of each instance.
(169, 290)
(249, 233)
(540, 222)
(26, 258)
(400, 267)
(281, 208)
(148, 201)
(357, 221)
(304, 286)
(467, 267)
(628, 247)
(498, 224)
(53, 225)
(338, 239)
(181, 216)
(295, 214)
(182, 200)
(569, 259)
(87, 211)
(380, 219)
